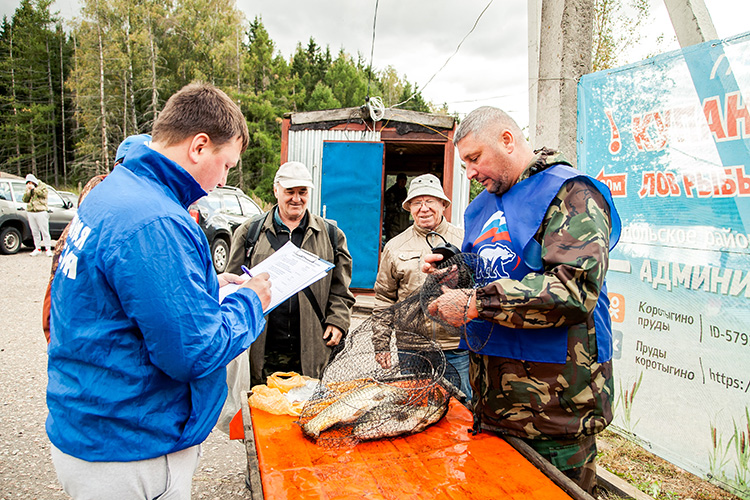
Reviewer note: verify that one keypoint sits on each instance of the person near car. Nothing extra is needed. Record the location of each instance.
(400, 274)
(60, 244)
(139, 339)
(35, 198)
(301, 331)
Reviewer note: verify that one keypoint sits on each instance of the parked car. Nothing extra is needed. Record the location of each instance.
(14, 221)
(219, 214)
(71, 197)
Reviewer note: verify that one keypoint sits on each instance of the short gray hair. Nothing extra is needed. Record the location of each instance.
(481, 120)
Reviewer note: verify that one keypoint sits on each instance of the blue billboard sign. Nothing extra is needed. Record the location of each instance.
(670, 136)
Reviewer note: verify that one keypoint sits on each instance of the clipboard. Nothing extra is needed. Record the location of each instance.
(291, 270)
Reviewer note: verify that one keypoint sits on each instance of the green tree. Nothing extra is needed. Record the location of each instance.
(123, 58)
(322, 98)
(30, 104)
(203, 44)
(96, 84)
(412, 98)
(392, 86)
(616, 25)
(347, 82)
(310, 66)
(151, 87)
(263, 101)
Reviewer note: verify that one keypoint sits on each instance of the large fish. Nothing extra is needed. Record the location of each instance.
(397, 421)
(353, 405)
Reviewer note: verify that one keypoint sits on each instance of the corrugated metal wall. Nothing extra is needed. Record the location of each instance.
(306, 146)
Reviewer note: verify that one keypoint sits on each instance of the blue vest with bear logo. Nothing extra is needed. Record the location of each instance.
(501, 229)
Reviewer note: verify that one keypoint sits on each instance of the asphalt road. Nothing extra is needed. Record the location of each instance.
(26, 470)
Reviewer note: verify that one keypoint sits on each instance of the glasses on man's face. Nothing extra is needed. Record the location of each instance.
(429, 203)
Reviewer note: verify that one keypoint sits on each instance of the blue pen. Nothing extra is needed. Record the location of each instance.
(246, 271)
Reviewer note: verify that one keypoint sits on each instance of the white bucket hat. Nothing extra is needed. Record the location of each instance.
(32, 178)
(425, 185)
(293, 174)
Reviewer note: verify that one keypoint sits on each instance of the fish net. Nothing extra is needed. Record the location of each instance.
(389, 377)
(459, 276)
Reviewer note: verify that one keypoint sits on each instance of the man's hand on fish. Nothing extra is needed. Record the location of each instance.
(455, 307)
(335, 335)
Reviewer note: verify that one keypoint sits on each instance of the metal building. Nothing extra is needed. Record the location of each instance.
(354, 160)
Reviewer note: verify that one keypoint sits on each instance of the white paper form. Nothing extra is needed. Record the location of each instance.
(291, 269)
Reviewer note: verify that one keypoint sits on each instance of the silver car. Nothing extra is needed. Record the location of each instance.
(14, 221)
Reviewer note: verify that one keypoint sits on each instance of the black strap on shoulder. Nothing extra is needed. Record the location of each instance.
(253, 233)
(314, 303)
(251, 240)
(333, 237)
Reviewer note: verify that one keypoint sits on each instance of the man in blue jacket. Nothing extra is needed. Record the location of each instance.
(139, 341)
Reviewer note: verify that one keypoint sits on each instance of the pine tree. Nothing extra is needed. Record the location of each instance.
(29, 125)
(263, 104)
(68, 101)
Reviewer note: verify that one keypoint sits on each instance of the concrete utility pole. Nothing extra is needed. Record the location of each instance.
(560, 37)
(534, 20)
(564, 34)
(691, 20)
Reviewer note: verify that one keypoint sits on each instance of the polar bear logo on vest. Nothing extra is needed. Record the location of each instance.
(493, 244)
(499, 256)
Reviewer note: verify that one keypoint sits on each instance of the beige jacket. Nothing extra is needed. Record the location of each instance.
(400, 274)
(332, 292)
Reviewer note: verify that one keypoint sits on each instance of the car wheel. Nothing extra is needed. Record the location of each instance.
(220, 254)
(10, 240)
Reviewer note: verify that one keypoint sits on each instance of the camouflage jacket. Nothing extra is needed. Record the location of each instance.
(36, 199)
(547, 400)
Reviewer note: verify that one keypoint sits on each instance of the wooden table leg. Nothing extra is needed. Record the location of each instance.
(252, 472)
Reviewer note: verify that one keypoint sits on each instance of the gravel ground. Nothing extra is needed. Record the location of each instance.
(26, 470)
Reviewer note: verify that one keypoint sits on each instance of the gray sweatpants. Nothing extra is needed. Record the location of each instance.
(39, 225)
(168, 477)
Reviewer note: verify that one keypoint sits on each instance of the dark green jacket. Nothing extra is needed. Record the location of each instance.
(331, 292)
(548, 400)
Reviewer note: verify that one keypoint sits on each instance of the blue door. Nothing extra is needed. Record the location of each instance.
(350, 193)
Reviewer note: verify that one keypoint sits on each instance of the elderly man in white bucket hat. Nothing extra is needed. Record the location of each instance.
(400, 275)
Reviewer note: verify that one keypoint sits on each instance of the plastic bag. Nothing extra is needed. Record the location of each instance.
(273, 397)
(284, 381)
(238, 380)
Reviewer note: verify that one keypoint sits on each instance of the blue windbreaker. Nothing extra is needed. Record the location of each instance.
(139, 341)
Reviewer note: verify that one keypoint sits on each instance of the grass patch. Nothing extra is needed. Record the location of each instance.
(652, 475)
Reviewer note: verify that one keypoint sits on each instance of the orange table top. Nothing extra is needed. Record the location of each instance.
(444, 461)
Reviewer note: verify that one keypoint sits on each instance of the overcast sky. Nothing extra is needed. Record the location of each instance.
(417, 37)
